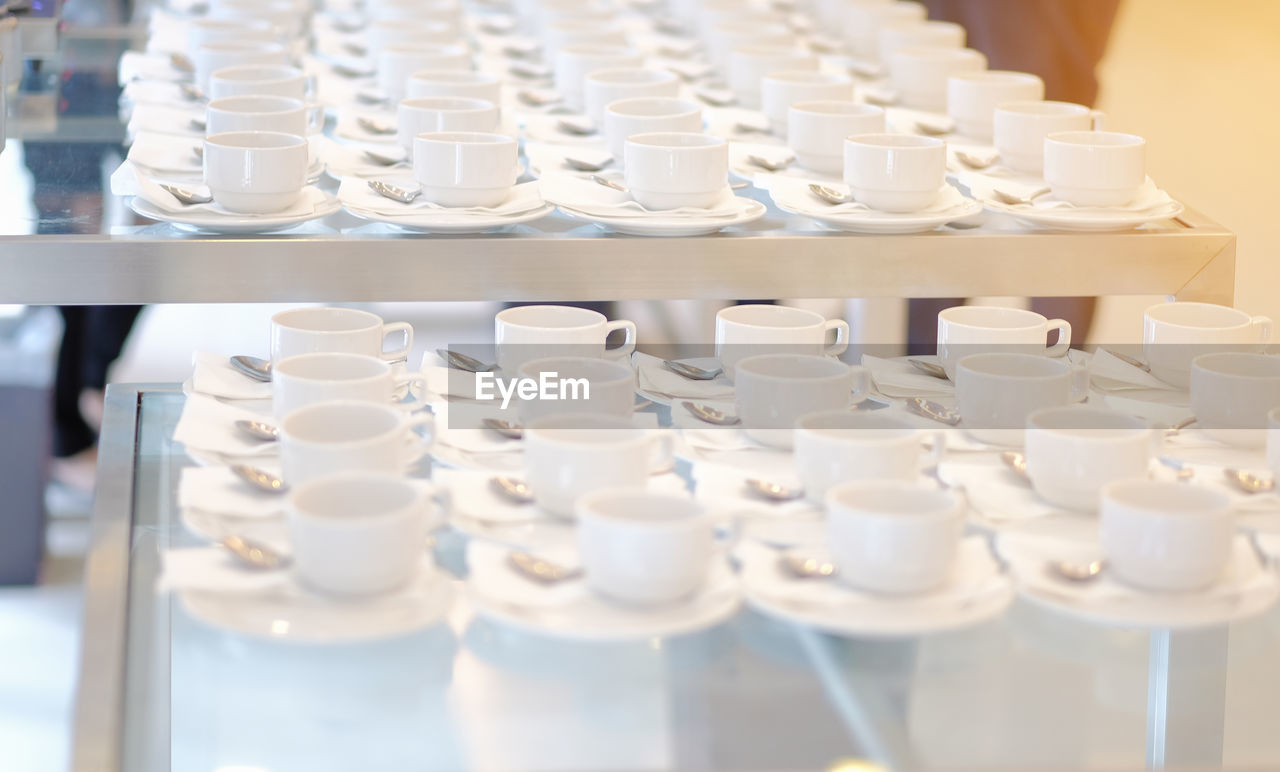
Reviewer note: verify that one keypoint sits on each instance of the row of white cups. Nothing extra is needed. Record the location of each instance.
(357, 522)
(448, 117)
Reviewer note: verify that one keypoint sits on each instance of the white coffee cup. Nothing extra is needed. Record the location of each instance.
(1173, 334)
(643, 548)
(1095, 168)
(1231, 394)
(326, 438)
(725, 36)
(647, 115)
(1018, 129)
(781, 89)
(440, 11)
(996, 392)
(359, 533)
(895, 172)
(972, 98)
(254, 80)
(382, 33)
(574, 63)
(261, 113)
(255, 172)
(752, 329)
(965, 330)
(306, 379)
(671, 170)
(816, 131)
(202, 31)
(864, 20)
(430, 115)
(210, 57)
(567, 456)
(893, 536)
(558, 34)
(916, 34)
(748, 66)
(577, 385)
(465, 168)
(1073, 452)
(710, 14)
(341, 330)
(1165, 536)
(838, 446)
(919, 74)
(397, 62)
(291, 18)
(526, 333)
(603, 87)
(774, 390)
(454, 83)
(1273, 442)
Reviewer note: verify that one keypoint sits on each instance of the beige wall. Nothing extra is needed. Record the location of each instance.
(1200, 79)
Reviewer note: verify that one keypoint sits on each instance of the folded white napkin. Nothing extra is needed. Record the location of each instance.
(1109, 372)
(1149, 198)
(724, 489)
(700, 435)
(141, 65)
(214, 569)
(142, 184)
(908, 121)
(491, 577)
(546, 158)
(209, 425)
(896, 377)
(216, 489)
(546, 128)
(592, 198)
(741, 165)
(167, 153)
(794, 195)
(213, 375)
(654, 377)
(738, 124)
(348, 126)
(344, 159)
(355, 193)
(158, 93)
(172, 119)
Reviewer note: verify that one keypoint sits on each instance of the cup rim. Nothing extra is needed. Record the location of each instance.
(815, 317)
(744, 25)
(455, 76)
(418, 490)
(477, 138)
(1042, 108)
(889, 141)
(836, 107)
(746, 364)
(680, 108)
(676, 141)
(1097, 140)
(278, 317)
(946, 315)
(662, 501)
(580, 422)
(1148, 314)
(1136, 426)
(601, 50)
(949, 507)
(900, 428)
(345, 404)
(271, 73)
(258, 25)
(1009, 356)
(939, 53)
(762, 50)
(281, 367)
(1002, 77)
(241, 46)
(452, 104)
(284, 104)
(1205, 362)
(651, 77)
(597, 318)
(1185, 499)
(255, 140)
(426, 47)
(806, 77)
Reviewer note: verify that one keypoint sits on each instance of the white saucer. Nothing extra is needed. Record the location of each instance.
(658, 225)
(445, 221)
(569, 610)
(272, 531)
(1244, 590)
(976, 593)
(262, 406)
(743, 169)
(295, 615)
(871, 221)
(1074, 220)
(209, 222)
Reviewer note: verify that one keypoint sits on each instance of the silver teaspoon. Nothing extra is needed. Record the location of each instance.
(255, 367)
(1128, 360)
(929, 368)
(1077, 572)
(184, 196)
(769, 166)
(394, 192)
(975, 162)
(689, 371)
(581, 165)
(534, 99)
(710, 415)
(578, 127)
(191, 93)
(258, 430)
(383, 159)
(460, 361)
(1248, 482)
(505, 428)
(515, 490)
(182, 63)
(1010, 199)
(374, 126)
(263, 481)
(771, 491)
(1016, 462)
(608, 183)
(254, 554)
(935, 128)
(830, 195)
(934, 411)
(539, 570)
(804, 567)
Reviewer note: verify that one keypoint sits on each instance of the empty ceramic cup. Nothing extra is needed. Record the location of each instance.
(258, 80)
(894, 172)
(1174, 334)
(210, 57)
(972, 98)
(525, 333)
(454, 83)
(568, 456)
(255, 172)
(919, 74)
(1165, 536)
(396, 63)
(774, 390)
(1073, 452)
(1232, 393)
(751, 329)
(862, 22)
(997, 392)
(748, 66)
(816, 131)
(1095, 168)
(647, 115)
(1018, 129)
(671, 170)
(462, 168)
(913, 34)
(965, 330)
(261, 113)
(574, 63)
(779, 90)
(426, 115)
(603, 87)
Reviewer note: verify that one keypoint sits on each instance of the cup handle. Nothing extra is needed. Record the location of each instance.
(665, 451)
(842, 337)
(1099, 120)
(1079, 383)
(1064, 337)
(1262, 326)
(315, 118)
(861, 382)
(417, 403)
(415, 445)
(401, 353)
(310, 86)
(628, 345)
